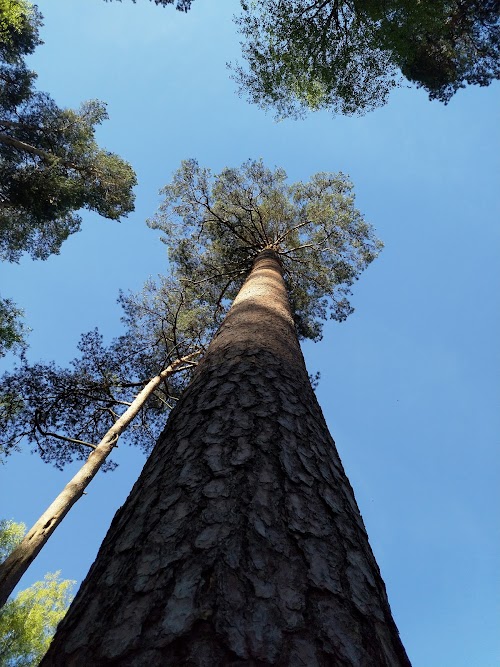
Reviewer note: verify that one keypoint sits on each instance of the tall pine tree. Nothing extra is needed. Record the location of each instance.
(241, 542)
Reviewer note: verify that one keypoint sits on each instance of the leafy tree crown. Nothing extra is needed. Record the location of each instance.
(28, 622)
(215, 226)
(19, 29)
(347, 55)
(63, 413)
(50, 163)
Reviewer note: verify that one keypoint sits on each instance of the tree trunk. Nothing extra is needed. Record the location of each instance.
(241, 543)
(14, 567)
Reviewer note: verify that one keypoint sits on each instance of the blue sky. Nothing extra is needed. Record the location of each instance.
(409, 383)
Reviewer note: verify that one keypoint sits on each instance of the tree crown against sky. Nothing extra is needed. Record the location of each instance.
(64, 412)
(50, 163)
(347, 56)
(180, 5)
(19, 25)
(215, 225)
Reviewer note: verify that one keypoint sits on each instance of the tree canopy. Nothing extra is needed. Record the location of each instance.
(180, 5)
(11, 533)
(64, 412)
(50, 163)
(215, 225)
(348, 55)
(12, 329)
(28, 622)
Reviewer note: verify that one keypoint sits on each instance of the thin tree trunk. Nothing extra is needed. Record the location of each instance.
(14, 567)
(27, 148)
(50, 158)
(241, 543)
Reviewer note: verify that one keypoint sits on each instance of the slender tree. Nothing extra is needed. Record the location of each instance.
(28, 549)
(64, 413)
(241, 542)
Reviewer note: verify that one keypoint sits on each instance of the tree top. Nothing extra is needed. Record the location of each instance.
(347, 55)
(215, 226)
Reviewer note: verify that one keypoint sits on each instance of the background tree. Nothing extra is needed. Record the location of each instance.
(441, 46)
(180, 5)
(346, 56)
(28, 622)
(241, 542)
(80, 413)
(63, 412)
(11, 533)
(12, 329)
(50, 163)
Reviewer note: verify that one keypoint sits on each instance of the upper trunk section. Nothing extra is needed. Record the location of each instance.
(241, 542)
(260, 317)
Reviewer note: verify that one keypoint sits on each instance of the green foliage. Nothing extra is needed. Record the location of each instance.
(11, 534)
(19, 24)
(180, 5)
(12, 328)
(50, 163)
(28, 622)
(442, 46)
(345, 55)
(312, 55)
(216, 225)
(64, 412)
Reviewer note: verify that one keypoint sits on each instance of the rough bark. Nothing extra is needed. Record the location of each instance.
(14, 567)
(241, 543)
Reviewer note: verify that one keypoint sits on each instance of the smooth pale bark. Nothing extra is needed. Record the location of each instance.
(241, 543)
(14, 567)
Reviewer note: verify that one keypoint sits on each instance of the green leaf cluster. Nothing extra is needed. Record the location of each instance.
(50, 163)
(12, 329)
(19, 25)
(11, 534)
(215, 226)
(28, 622)
(347, 55)
(311, 55)
(63, 413)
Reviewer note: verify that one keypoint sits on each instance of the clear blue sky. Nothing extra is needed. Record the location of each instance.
(409, 382)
